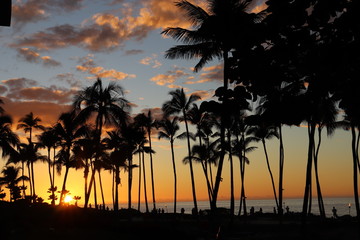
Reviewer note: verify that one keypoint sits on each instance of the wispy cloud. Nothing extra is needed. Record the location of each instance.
(32, 56)
(27, 11)
(88, 65)
(168, 79)
(151, 61)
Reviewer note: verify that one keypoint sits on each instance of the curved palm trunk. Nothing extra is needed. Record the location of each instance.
(49, 170)
(95, 194)
(318, 188)
(174, 170)
(86, 175)
(33, 180)
(30, 180)
(101, 190)
(222, 139)
(87, 196)
(23, 180)
(144, 176)
(190, 163)
(270, 172)
(64, 186)
(281, 172)
(139, 190)
(355, 172)
(152, 171)
(307, 193)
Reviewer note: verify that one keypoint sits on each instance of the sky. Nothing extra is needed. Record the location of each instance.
(55, 48)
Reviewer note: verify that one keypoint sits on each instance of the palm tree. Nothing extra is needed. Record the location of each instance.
(147, 121)
(29, 122)
(11, 179)
(68, 130)
(48, 139)
(226, 25)
(180, 103)
(107, 105)
(168, 129)
(8, 139)
(263, 131)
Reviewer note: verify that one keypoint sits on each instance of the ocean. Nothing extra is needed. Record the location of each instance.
(344, 206)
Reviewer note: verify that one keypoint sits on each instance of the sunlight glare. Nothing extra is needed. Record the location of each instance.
(68, 199)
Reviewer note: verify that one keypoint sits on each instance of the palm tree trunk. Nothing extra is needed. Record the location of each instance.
(232, 197)
(318, 188)
(113, 188)
(30, 180)
(174, 170)
(311, 132)
(130, 182)
(117, 182)
(101, 190)
(86, 176)
(144, 176)
(139, 190)
(270, 172)
(222, 138)
(281, 172)
(23, 180)
(87, 195)
(152, 171)
(33, 180)
(191, 166)
(95, 194)
(355, 172)
(64, 186)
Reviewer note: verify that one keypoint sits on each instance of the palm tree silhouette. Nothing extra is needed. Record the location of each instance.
(147, 121)
(168, 129)
(11, 179)
(226, 25)
(180, 103)
(68, 129)
(108, 105)
(49, 139)
(29, 122)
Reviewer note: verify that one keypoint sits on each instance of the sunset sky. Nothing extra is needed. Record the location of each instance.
(55, 48)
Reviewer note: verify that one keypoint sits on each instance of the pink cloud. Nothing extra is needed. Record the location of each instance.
(32, 56)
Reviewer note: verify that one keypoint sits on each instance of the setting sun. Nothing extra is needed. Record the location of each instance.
(68, 199)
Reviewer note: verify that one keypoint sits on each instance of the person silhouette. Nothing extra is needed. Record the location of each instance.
(334, 211)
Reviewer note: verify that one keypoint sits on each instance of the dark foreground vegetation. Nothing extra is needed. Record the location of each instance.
(42, 221)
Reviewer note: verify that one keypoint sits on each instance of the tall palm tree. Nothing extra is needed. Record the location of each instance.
(49, 139)
(147, 121)
(180, 103)
(107, 105)
(29, 123)
(263, 131)
(68, 129)
(224, 26)
(168, 129)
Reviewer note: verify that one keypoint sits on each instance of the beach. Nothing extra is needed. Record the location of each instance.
(53, 222)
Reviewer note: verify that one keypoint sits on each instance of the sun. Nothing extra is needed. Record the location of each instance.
(68, 199)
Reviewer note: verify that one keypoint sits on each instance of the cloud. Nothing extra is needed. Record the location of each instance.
(69, 79)
(47, 111)
(204, 94)
(35, 10)
(151, 61)
(33, 57)
(23, 90)
(88, 65)
(15, 84)
(213, 73)
(133, 52)
(103, 31)
(169, 77)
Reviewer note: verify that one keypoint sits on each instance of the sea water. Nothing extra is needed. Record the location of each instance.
(344, 206)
